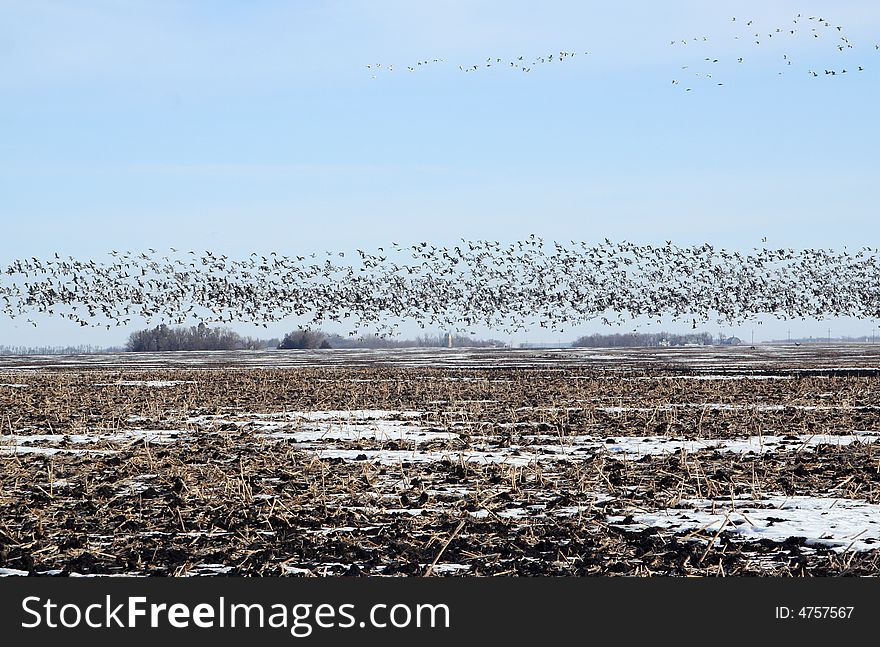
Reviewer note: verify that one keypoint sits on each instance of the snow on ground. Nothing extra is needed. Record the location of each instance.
(841, 524)
(48, 451)
(329, 434)
(386, 432)
(630, 448)
(208, 569)
(242, 418)
(739, 407)
(715, 377)
(542, 449)
(396, 457)
(636, 446)
(354, 414)
(449, 569)
(135, 484)
(709, 359)
(50, 444)
(14, 572)
(156, 383)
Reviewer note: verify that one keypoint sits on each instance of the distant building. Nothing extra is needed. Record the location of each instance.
(731, 341)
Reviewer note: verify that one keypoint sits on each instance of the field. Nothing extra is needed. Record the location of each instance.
(689, 461)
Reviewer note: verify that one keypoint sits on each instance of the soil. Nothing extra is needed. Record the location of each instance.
(399, 468)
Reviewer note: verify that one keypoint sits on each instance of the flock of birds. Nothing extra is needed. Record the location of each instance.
(519, 63)
(510, 287)
(810, 34)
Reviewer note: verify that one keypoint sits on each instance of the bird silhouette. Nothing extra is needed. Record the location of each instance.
(514, 286)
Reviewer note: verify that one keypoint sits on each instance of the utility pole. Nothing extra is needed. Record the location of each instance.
(829, 335)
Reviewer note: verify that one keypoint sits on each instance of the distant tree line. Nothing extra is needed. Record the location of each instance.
(303, 339)
(201, 337)
(57, 350)
(641, 339)
(306, 338)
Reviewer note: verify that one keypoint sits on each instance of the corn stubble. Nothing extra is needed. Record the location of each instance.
(508, 490)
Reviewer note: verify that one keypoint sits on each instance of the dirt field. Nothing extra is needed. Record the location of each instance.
(696, 461)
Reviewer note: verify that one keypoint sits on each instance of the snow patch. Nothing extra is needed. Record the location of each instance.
(839, 524)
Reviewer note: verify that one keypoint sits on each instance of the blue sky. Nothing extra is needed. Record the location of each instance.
(241, 127)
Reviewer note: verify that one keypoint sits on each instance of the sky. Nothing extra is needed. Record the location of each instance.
(240, 127)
